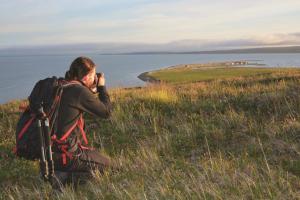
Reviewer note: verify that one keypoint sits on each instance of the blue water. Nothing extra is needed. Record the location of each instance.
(19, 73)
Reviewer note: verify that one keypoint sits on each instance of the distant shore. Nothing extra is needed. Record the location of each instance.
(258, 50)
(147, 77)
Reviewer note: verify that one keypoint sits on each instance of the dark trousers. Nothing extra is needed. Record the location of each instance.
(79, 168)
(82, 164)
(90, 160)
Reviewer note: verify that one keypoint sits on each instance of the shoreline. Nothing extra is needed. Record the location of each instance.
(148, 79)
(200, 66)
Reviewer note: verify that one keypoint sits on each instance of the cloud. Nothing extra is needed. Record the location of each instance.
(175, 46)
(267, 40)
(281, 39)
(140, 21)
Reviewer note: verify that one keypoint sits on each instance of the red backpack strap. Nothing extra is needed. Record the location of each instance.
(25, 127)
(65, 154)
(80, 124)
(23, 130)
(61, 141)
(68, 133)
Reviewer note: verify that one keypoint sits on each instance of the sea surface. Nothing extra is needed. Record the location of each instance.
(18, 74)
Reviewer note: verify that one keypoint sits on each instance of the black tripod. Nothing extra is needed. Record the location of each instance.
(46, 160)
(56, 178)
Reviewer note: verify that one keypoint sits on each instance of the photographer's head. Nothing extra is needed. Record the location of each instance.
(82, 69)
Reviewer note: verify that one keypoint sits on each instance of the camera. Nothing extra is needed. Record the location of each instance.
(96, 81)
(97, 76)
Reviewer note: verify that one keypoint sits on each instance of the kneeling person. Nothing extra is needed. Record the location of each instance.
(69, 141)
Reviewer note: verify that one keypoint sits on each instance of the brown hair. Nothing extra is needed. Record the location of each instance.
(80, 67)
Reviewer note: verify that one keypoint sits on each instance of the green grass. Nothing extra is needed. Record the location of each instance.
(224, 139)
(192, 75)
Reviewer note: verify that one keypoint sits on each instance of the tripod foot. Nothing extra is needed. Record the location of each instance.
(59, 180)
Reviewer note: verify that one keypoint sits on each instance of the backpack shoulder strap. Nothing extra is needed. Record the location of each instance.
(78, 123)
(56, 103)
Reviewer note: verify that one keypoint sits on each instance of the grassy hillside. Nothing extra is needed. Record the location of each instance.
(225, 139)
(202, 73)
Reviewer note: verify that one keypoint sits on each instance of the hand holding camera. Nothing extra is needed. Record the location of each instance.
(100, 79)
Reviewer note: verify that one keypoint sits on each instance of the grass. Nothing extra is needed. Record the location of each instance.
(224, 139)
(183, 75)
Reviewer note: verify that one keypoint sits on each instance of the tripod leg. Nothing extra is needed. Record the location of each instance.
(57, 179)
(47, 136)
(43, 161)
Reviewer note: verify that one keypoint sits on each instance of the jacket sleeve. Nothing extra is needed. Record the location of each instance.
(98, 105)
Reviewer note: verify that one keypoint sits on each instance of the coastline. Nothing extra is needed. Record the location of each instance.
(146, 76)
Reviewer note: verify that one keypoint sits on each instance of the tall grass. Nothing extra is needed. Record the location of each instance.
(183, 75)
(226, 139)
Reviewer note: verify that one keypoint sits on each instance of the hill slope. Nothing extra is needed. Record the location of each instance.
(224, 139)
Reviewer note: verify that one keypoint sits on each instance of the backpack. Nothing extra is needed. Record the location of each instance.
(43, 101)
(36, 128)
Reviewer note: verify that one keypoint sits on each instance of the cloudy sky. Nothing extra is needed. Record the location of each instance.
(186, 23)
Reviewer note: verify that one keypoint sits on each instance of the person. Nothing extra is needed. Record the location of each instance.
(85, 92)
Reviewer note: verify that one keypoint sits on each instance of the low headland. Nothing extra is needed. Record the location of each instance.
(207, 71)
(230, 133)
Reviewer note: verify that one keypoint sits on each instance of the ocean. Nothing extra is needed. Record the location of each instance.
(20, 73)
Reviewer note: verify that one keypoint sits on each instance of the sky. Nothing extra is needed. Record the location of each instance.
(145, 24)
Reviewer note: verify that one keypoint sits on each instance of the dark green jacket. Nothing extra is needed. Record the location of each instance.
(77, 99)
